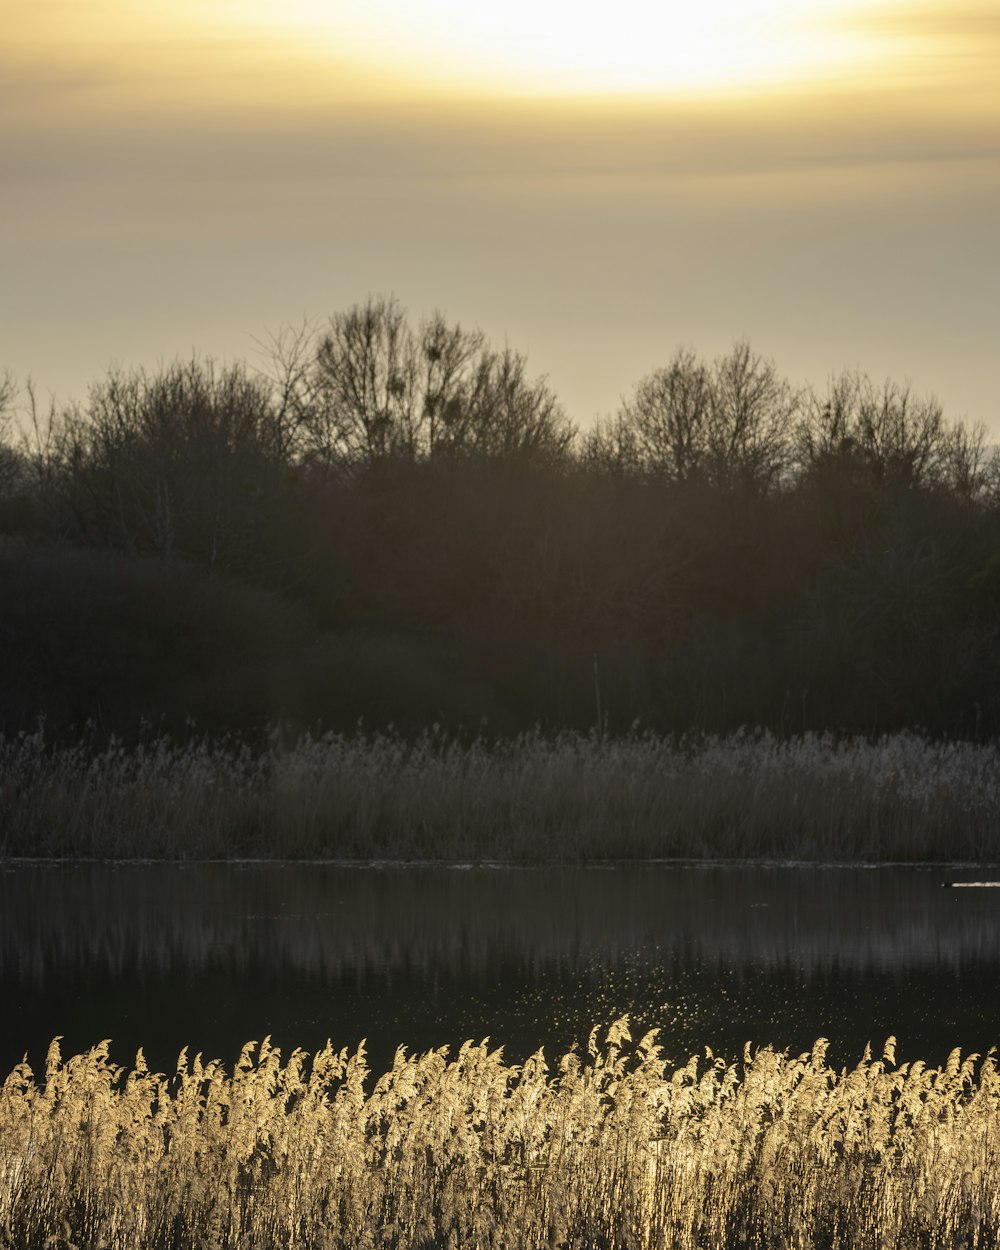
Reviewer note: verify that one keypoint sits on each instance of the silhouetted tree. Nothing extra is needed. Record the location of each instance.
(890, 435)
(753, 411)
(178, 463)
(728, 423)
(371, 388)
(733, 552)
(10, 460)
(664, 429)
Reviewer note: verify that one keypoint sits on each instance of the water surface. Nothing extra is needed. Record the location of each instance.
(212, 955)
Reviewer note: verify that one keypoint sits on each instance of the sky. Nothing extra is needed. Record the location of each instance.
(595, 184)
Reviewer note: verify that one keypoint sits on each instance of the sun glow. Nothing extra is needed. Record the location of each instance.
(582, 46)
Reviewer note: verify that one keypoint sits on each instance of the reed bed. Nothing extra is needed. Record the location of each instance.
(534, 797)
(611, 1149)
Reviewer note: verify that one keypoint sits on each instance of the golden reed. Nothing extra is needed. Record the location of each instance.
(609, 1149)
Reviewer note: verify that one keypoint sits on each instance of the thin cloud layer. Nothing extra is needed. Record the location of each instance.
(172, 185)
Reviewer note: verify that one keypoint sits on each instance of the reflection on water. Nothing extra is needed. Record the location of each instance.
(212, 955)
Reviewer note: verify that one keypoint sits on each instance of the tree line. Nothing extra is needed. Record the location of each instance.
(394, 521)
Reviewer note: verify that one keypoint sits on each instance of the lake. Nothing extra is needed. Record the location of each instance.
(211, 956)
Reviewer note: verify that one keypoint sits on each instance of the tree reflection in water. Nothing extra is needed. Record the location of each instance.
(210, 955)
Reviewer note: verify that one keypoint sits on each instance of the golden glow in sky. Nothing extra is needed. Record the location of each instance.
(299, 51)
(580, 46)
(599, 180)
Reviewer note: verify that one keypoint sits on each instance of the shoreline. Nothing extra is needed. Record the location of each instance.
(499, 865)
(745, 798)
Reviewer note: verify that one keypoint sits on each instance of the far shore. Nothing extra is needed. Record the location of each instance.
(748, 797)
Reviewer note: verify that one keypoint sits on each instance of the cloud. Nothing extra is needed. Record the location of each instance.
(941, 22)
(242, 182)
(941, 37)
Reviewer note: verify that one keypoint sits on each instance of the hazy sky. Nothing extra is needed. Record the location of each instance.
(596, 184)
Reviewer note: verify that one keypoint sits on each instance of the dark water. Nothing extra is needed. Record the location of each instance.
(212, 956)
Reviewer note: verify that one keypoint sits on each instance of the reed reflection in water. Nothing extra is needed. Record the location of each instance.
(210, 955)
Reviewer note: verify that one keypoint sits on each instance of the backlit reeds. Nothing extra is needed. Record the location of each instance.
(534, 797)
(609, 1149)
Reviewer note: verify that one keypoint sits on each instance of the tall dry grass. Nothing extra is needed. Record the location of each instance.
(613, 1149)
(534, 797)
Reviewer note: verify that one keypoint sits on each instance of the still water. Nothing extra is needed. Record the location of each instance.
(211, 956)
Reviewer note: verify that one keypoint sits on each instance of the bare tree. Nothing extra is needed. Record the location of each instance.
(288, 358)
(379, 389)
(669, 418)
(753, 412)
(900, 435)
(174, 463)
(504, 416)
(363, 386)
(728, 422)
(825, 434)
(610, 446)
(892, 435)
(8, 391)
(10, 461)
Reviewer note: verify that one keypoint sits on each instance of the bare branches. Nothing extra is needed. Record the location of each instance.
(173, 463)
(727, 422)
(752, 418)
(372, 388)
(737, 421)
(892, 435)
(9, 459)
(287, 357)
